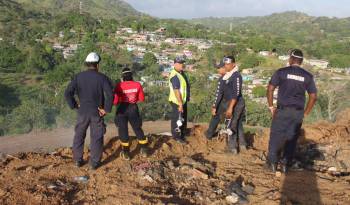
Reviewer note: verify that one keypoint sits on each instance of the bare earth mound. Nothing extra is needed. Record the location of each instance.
(199, 173)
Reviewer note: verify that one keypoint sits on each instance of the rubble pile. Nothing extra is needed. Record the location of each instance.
(198, 173)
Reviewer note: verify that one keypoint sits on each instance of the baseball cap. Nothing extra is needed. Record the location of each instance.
(220, 65)
(228, 59)
(179, 59)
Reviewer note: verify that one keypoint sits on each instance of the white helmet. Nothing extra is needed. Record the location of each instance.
(93, 58)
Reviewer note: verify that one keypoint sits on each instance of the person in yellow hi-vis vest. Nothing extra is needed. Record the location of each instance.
(178, 98)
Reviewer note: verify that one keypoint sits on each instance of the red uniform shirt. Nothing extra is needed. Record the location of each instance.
(128, 92)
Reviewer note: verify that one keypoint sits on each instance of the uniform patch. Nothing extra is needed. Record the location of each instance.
(295, 77)
(130, 91)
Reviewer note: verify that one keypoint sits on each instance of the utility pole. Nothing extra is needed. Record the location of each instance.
(81, 7)
(231, 27)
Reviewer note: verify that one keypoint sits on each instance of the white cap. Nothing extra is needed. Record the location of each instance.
(93, 58)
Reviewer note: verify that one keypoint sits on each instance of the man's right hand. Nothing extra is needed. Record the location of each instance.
(101, 112)
(213, 111)
(181, 108)
(228, 114)
(273, 111)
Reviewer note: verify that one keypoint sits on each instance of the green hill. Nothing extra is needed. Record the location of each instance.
(279, 23)
(110, 9)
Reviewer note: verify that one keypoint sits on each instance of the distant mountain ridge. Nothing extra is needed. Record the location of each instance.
(109, 9)
(276, 22)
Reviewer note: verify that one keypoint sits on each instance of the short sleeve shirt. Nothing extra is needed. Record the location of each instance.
(292, 83)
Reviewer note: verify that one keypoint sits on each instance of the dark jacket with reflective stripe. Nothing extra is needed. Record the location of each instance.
(232, 88)
(219, 93)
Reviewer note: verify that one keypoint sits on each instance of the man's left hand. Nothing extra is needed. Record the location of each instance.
(228, 114)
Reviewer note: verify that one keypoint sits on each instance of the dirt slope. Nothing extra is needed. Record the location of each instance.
(199, 173)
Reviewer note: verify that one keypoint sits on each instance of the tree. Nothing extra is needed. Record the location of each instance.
(259, 44)
(339, 61)
(155, 106)
(334, 98)
(164, 46)
(152, 70)
(40, 59)
(149, 59)
(257, 114)
(11, 59)
(259, 91)
(250, 60)
(31, 114)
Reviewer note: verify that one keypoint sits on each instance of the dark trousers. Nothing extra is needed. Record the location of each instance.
(129, 113)
(175, 117)
(237, 126)
(97, 130)
(285, 131)
(215, 120)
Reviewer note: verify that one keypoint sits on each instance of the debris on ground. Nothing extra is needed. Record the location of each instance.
(198, 173)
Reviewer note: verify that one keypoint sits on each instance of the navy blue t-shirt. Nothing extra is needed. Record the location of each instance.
(175, 82)
(293, 82)
(232, 88)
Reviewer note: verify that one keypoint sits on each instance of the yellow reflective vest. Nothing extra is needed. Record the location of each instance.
(183, 88)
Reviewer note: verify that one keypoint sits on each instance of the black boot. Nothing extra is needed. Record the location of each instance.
(94, 165)
(144, 150)
(271, 167)
(180, 140)
(125, 153)
(284, 168)
(243, 148)
(79, 163)
(208, 135)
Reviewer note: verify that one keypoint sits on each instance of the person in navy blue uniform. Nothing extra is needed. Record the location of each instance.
(292, 82)
(181, 107)
(232, 95)
(95, 93)
(218, 107)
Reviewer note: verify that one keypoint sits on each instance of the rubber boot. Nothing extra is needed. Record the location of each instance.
(144, 151)
(125, 153)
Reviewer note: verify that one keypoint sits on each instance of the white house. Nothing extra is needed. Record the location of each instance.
(264, 53)
(283, 58)
(317, 63)
(248, 71)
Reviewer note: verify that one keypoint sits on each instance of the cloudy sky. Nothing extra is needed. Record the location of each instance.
(228, 8)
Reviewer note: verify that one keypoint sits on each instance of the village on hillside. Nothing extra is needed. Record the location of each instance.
(165, 49)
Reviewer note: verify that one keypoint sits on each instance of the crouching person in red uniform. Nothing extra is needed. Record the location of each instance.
(127, 94)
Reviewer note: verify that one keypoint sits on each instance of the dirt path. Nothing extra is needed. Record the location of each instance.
(49, 140)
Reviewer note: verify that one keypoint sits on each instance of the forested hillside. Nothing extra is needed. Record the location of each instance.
(35, 69)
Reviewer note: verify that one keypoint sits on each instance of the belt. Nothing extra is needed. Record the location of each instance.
(281, 107)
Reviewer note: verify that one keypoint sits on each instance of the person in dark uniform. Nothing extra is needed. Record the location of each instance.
(218, 108)
(232, 95)
(178, 97)
(127, 94)
(95, 94)
(292, 82)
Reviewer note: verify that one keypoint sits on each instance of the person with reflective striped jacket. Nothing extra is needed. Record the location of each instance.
(126, 96)
(218, 107)
(232, 94)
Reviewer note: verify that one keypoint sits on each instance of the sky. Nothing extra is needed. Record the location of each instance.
(186, 9)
